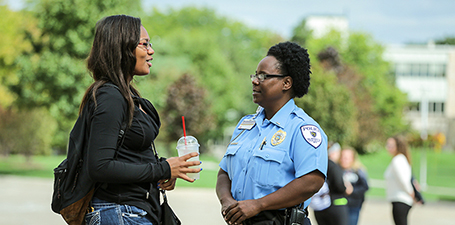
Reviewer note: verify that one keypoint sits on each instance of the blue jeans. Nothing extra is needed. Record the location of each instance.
(354, 215)
(106, 213)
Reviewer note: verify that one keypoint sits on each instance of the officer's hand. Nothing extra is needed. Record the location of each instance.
(237, 213)
(227, 203)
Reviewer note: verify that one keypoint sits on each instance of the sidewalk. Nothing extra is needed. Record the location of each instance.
(25, 201)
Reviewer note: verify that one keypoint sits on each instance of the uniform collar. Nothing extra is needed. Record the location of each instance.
(280, 118)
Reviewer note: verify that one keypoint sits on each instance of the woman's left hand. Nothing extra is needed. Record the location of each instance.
(167, 185)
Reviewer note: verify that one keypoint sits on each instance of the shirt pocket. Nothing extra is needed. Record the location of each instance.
(265, 169)
(232, 159)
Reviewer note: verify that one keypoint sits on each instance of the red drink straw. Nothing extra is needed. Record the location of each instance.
(184, 130)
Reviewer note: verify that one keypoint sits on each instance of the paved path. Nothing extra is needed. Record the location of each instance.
(25, 201)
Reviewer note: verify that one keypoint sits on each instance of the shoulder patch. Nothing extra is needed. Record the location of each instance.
(312, 135)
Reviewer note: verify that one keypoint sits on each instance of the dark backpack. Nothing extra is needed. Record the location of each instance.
(73, 188)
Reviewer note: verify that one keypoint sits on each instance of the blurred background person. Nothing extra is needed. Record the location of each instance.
(355, 174)
(398, 180)
(337, 212)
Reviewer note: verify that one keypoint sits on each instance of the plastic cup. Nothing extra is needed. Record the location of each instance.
(191, 145)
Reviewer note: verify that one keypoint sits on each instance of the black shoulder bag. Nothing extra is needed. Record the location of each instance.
(417, 194)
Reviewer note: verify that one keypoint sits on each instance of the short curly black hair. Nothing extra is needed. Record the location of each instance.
(295, 62)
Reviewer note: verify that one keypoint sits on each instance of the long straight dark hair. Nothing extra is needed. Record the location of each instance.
(112, 57)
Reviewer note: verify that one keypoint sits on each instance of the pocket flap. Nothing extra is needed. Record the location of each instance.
(271, 155)
(232, 149)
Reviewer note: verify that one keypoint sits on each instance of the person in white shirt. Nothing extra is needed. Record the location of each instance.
(398, 180)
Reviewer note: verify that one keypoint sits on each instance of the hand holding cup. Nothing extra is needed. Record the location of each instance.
(180, 166)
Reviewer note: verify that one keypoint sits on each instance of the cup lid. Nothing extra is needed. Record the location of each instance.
(190, 140)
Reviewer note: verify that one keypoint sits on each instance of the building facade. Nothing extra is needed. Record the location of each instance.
(426, 73)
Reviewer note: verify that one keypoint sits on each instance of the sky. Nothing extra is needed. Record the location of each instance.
(388, 21)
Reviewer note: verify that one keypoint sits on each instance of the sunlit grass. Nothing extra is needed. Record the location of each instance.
(36, 166)
(440, 170)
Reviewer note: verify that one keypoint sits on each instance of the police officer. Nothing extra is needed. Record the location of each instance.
(277, 158)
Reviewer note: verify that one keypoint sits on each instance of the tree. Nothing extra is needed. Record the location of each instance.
(218, 52)
(186, 98)
(448, 40)
(27, 132)
(300, 34)
(377, 102)
(367, 119)
(52, 72)
(330, 105)
(11, 46)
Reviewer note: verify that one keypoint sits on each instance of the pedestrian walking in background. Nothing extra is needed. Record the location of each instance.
(337, 212)
(398, 175)
(354, 173)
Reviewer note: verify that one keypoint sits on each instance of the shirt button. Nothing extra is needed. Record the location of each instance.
(267, 155)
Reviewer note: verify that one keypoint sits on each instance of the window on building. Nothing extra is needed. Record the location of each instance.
(414, 106)
(433, 107)
(420, 69)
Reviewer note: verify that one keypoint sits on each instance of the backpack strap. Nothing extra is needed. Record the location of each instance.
(123, 128)
(121, 138)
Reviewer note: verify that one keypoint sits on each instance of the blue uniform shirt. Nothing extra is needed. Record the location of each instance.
(265, 155)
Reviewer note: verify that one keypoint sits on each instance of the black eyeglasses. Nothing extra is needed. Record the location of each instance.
(263, 76)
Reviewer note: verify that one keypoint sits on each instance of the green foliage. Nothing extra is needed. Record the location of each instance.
(52, 73)
(449, 40)
(11, 46)
(389, 102)
(219, 53)
(300, 34)
(378, 104)
(330, 105)
(186, 99)
(27, 132)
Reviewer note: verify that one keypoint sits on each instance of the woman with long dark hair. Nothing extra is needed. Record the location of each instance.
(127, 177)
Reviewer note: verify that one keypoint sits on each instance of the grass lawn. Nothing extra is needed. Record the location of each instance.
(440, 170)
(36, 166)
(43, 166)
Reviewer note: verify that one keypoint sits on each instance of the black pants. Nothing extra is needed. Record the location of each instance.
(334, 215)
(400, 213)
